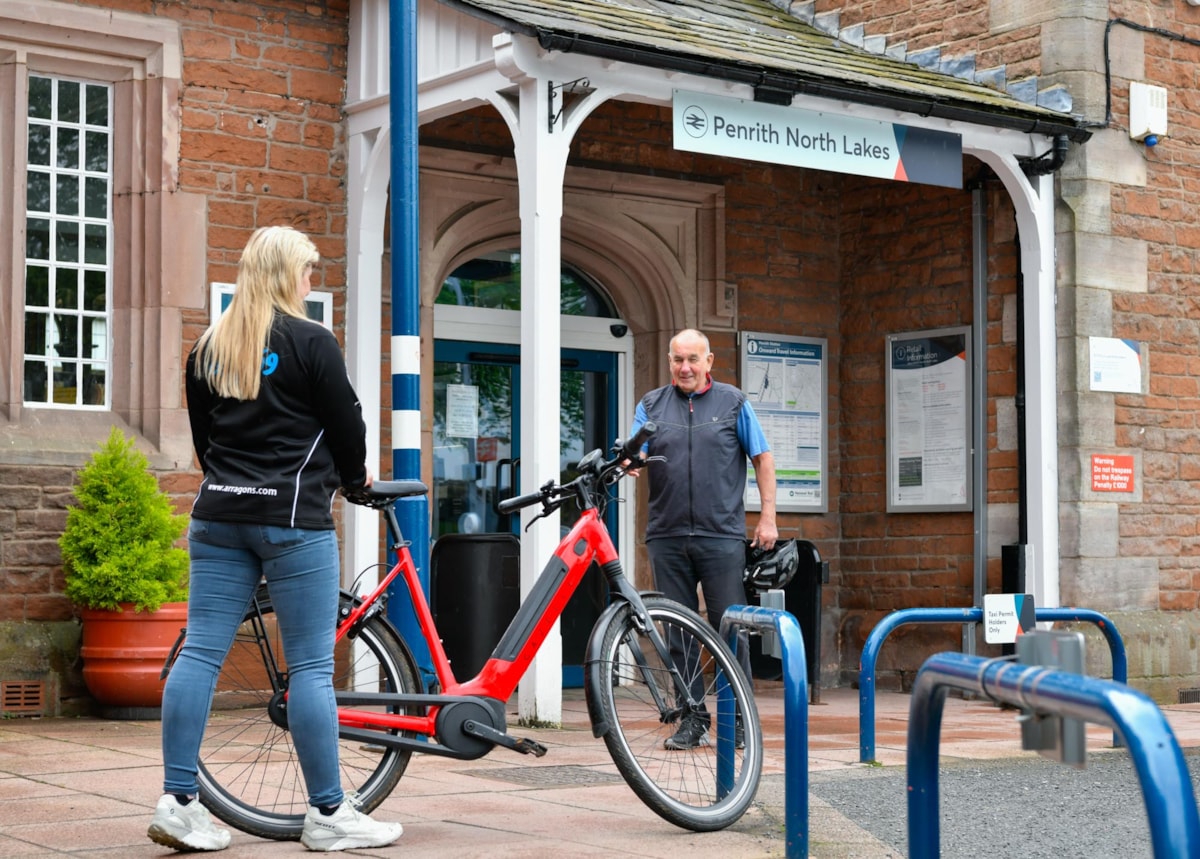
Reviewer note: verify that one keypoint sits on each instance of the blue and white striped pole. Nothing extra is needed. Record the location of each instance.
(412, 513)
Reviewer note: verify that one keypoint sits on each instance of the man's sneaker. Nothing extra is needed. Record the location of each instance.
(739, 733)
(346, 829)
(185, 827)
(690, 734)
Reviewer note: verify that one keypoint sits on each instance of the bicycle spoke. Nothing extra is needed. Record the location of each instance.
(682, 779)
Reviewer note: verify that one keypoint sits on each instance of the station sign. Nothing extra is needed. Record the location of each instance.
(737, 128)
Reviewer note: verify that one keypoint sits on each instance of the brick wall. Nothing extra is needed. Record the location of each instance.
(1162, 423)
(262, 140)
(1009, 36)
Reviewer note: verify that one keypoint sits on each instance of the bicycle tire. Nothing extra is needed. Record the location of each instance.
(249, 773)
(680, 786)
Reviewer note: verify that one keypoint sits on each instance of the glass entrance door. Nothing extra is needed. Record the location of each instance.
(476, 441)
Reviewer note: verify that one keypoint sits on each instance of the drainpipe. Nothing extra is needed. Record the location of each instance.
(1015, 558)
(1051, 161)
(979, 275)
(412, 513)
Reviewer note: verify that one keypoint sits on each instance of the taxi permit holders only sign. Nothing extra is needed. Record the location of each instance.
(732, 127)
(1006, 616)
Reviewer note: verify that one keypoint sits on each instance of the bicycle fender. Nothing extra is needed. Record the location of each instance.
(593, 679)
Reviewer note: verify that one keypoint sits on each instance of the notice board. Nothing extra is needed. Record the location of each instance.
(785, 380)
(929, 420)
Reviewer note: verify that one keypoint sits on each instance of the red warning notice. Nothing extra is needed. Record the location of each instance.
(1112, 473)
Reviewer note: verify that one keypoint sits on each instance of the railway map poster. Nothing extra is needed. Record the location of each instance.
(784, 378)
(928, 420)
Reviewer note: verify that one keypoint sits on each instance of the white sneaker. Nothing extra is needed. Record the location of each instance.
(185, 827)
(346, 829)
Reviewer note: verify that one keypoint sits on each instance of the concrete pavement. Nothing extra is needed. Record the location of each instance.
(87, 787)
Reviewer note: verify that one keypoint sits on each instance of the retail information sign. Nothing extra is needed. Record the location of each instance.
(1116, 365)
(928, 420)
(785, 379)
(736, 128)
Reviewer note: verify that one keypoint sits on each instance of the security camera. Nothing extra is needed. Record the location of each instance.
(618, 330)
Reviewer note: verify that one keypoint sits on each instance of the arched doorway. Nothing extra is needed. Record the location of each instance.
(476, 428)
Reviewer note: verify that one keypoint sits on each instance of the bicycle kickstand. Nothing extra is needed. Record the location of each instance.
(524, 745)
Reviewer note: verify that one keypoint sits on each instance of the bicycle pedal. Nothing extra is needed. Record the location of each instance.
(527, 746)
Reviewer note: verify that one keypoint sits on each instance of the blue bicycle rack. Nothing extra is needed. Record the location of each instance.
(1157, 758)
(795, 714)
(874, 643)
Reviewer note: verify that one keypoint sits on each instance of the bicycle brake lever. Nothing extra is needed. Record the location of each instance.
(547, 508)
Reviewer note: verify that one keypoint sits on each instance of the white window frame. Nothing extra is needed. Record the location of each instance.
(140, 57)
(81, 265)
(319, 305)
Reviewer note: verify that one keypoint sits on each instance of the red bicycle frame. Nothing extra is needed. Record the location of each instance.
(588, 541)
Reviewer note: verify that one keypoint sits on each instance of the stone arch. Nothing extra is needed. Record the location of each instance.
(656, 246)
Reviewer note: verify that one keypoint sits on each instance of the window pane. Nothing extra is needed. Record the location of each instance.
(38, 148)
(67, 235)
(97, 151)
(95, 339)
(37, 191)
(95, 197)
(66, 288)
(66, 197)
(93, 385)
(95, 292)
(35, 333)
(68, 101)
(39, 97)
(37, 286)
(68, 226)
(97, 105)
(37, 238)
(67, 328)
(65, 384)
(68, 148)
(495, 281)
(35, 382)
(95, 244)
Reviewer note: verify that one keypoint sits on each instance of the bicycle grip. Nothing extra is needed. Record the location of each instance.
(511, 505)
(633, 447)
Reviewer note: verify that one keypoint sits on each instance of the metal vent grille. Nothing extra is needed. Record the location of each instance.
(1189, 696)
(22, 697)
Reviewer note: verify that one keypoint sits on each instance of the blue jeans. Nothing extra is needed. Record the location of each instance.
(227, 562)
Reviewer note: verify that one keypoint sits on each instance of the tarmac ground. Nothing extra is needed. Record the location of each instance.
(87, 787)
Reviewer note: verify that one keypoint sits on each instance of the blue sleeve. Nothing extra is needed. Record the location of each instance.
(750, 432)
(639, 418)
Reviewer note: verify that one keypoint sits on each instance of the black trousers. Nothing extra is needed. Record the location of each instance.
(686, 566)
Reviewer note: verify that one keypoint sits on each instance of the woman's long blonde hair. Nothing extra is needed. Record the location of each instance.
(229, 354)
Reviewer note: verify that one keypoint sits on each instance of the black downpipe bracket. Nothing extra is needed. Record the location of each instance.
(1050, 161)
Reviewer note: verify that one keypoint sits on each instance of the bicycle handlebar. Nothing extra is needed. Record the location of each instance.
(512, 505)
(592, 469)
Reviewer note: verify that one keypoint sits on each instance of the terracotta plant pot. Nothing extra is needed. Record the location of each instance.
(124, 651)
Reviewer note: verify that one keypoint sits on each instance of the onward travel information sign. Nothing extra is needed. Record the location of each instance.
(736, 128)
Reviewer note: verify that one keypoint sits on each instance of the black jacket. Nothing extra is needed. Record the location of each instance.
(279, 459)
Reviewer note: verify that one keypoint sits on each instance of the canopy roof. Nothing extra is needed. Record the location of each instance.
(756, 43)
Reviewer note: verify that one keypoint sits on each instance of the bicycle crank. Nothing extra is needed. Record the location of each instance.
(524, 745)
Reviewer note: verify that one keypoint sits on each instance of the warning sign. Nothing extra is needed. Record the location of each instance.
(1112, 473)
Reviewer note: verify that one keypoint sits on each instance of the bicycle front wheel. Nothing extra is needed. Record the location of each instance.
(696, 782)
(249, 772)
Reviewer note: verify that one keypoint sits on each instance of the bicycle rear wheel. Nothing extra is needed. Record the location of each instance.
(704, 788)
(249, 772)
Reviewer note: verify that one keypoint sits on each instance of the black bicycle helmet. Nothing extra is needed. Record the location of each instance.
(771, 569)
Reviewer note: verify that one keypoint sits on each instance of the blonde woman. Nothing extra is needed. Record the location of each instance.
(277, 429)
